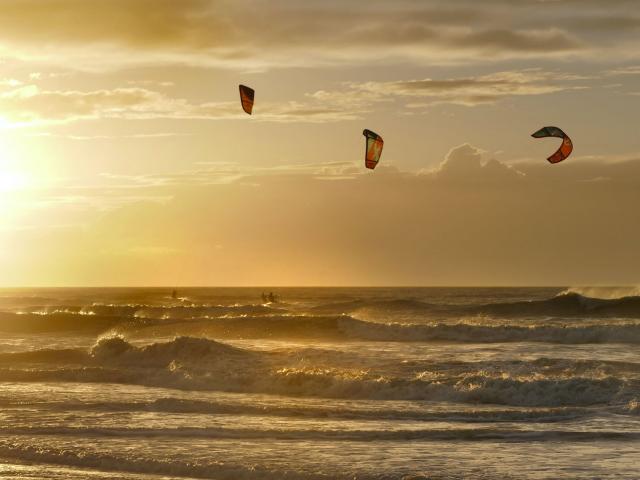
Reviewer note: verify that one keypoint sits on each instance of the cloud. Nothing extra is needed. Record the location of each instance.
(618, 173)
(141, 23)
(609, 23)
(465, 166)
(471, 221)
(10, 82)
(260, 34)
(503, 40)
(29, 105)
(465, 163)
(387, 227)
(108, 191)
(628, 70)
(469, 91)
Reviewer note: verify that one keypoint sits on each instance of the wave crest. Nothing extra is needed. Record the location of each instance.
(606, 293)
(201, 364)
(346, 328)
(116, 349)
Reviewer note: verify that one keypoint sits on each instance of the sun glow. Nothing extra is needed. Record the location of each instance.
(12, 181)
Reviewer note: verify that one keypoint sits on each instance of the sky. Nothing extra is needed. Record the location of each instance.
(125, 158)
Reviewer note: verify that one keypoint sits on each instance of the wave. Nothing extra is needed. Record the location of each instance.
(277, 326)
(210, 311)
(115, 350)
(49, 356)
(472, 388)
(24, 299)
(395, 305)
(455, 434)
(177, 405)
(610, 293)
(200, 364)
(473, 333)
(346, 328)
(338, 320)
(330, 328)
(569, 303)
(129, 463)
(328, 383)
(56, 322)
(173, 405)
(101, 317)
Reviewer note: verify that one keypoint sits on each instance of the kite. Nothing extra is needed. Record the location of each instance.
(246, 97)
(373, 149)
(565, 149)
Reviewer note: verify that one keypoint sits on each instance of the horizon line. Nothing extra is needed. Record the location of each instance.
(311, 286)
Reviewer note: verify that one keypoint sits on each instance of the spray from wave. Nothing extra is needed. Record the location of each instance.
(606, 293)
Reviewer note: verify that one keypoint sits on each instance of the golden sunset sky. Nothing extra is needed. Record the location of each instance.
(125, 158)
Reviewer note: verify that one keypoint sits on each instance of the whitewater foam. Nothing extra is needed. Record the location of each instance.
(202, 364)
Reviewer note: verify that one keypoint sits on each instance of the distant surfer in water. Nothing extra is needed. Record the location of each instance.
(270, 298)
(174, 294)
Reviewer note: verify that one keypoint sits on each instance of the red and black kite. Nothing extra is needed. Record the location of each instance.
(565, 149)
(246, 97)
(373, 149)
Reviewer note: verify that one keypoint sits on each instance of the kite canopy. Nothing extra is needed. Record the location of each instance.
(373, 149)
(565, 149)
(246, 97)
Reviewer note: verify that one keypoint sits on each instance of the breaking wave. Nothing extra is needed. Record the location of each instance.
(610, 293)
(200, 364)
(421, 321)
(344, 327)
(569, 303)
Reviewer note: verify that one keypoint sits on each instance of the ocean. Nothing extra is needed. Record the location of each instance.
(327, 383)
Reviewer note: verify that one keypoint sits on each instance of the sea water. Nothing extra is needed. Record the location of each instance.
(364, 383)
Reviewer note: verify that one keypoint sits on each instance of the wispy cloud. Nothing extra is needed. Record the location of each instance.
(29, 105)
(467, 91)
